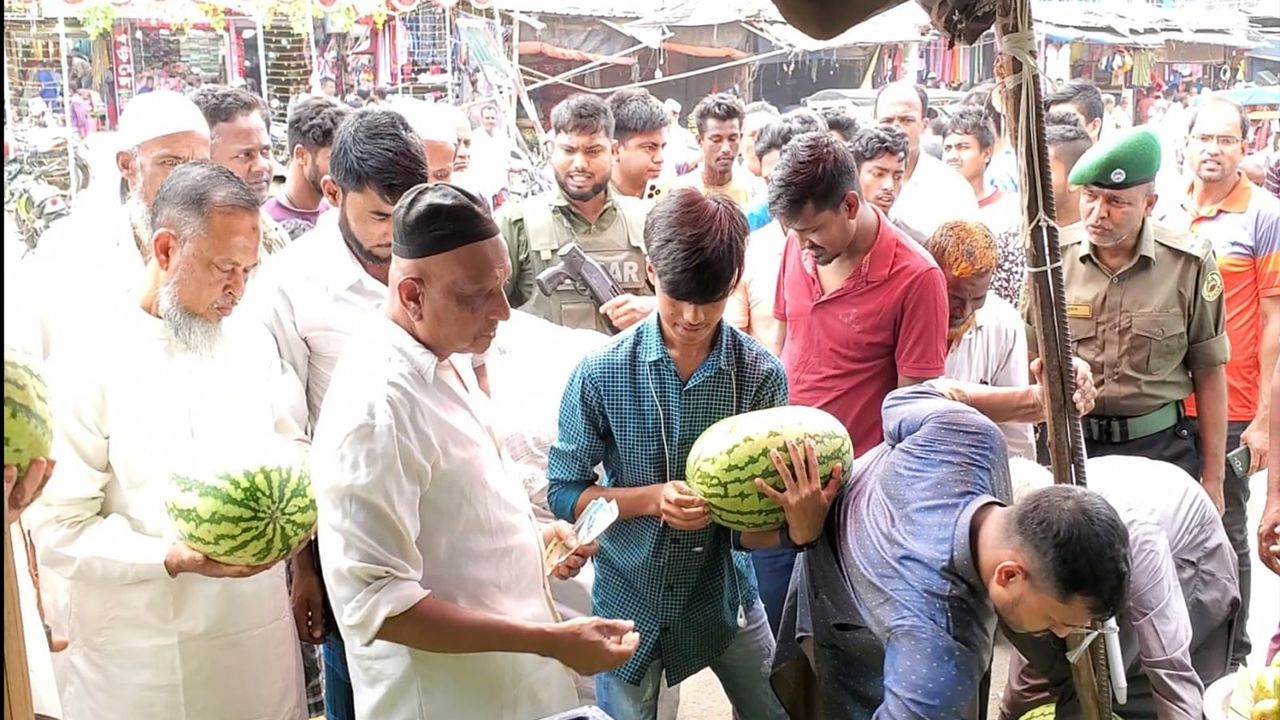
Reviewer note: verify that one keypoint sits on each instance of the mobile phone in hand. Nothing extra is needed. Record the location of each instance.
(1239, 461)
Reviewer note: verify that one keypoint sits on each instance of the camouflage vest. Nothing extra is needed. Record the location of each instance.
(619, 247)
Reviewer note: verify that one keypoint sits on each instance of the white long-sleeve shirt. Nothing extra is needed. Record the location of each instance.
(935, 194)
(416, 499)
(132, 409)
(994, 352)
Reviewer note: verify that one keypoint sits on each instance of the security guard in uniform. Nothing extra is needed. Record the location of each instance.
(607, 226)
(1145, 308)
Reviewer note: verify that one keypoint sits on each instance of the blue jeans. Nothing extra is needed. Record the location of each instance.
(743, 669)
(339, 704)
(773, 575)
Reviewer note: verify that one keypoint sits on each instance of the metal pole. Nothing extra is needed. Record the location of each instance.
(516, 80)
(72, 174)
(584, 68)
(262, 59)
(1025, 120)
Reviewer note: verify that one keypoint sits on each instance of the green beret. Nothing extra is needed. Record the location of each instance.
(1123, 159)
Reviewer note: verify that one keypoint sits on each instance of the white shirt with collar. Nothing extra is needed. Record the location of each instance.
(416, 499)
(935, 194)
(994, 352)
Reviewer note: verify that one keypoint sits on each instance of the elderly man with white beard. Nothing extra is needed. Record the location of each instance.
(171, 382)
(98, 253)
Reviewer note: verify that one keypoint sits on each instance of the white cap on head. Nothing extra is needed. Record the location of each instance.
(157, 114)
(431, 121)
(672, 105)
(1027, 476)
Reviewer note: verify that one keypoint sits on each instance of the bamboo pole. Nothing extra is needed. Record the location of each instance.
(1024, 117)
(17, 678)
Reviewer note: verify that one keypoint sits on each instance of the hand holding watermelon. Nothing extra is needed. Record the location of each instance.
(18, 496)
(804, 500)
(182, 558)
(681, 508)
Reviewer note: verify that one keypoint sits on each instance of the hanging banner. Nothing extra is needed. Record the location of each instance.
(122, 59)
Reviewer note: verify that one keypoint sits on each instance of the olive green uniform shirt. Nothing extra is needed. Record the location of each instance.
(520, 287)
(1145, 329)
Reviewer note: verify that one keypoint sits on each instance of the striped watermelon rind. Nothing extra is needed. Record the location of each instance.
(1048, 712)
(251, 518)
(28, 422)
(727, 458)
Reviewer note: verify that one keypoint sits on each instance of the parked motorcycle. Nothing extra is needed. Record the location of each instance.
(38, 179)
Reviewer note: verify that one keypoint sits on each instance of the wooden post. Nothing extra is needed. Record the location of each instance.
(17, 678)
(1024, 116)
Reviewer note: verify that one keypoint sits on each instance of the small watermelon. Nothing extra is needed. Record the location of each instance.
(728, 457)
(250, 518)
(1048, 712)
(28, 424)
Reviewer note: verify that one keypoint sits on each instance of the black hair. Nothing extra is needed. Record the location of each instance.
(774, 136)
(313, 120)
(761, 106)
(921, 93)
(815, 169)
(1218, 99)
(376, 149)
(697, 245)
(380, 92)
(1068, 142)
(1077, 545)
(1062, 118)
(970, 120)
(219, 104)
(720, 106)
(636, 112)
(581, 114)
(878, 140)
(843, 124)
(193, 191)
(983, 96)
(805, 120)
(364, 92)
(1081, 94)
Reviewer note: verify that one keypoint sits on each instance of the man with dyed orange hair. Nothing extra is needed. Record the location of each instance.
(986, 337)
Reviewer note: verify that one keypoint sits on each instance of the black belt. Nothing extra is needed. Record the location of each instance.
(1120, 430)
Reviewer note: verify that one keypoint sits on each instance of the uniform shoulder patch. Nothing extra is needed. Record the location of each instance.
(1211, 290)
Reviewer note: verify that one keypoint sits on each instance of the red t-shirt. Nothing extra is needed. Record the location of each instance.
(844, 351)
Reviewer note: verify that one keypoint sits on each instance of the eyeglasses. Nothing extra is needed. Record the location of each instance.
(1226, 142)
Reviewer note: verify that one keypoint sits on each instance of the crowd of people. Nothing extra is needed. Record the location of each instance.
(374, 318)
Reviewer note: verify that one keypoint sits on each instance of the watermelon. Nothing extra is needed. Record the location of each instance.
(253, 517)
(28, 424)
(728, 457)
(1048, 712)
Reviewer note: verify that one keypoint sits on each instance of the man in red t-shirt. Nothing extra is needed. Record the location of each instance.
(864, 308)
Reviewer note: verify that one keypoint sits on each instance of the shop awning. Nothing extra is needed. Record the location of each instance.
(705, 52)
(559, 53)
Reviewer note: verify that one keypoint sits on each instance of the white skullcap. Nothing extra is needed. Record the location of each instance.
(430, 121)
(672, 105)
(156, 114)
(1027, 476)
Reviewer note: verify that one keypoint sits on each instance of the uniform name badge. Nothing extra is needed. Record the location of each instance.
(591, 524)
(1079, 311)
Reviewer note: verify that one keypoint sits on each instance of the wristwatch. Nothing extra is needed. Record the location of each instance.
(784, 540)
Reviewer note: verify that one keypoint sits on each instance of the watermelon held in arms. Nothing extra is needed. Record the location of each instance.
(28, 424)
(726, 460)
(254, 517)
(1048, 712)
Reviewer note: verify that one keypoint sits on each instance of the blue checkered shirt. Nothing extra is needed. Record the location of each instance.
(682, 589)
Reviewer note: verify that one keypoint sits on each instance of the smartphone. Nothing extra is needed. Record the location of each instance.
(1239, 460)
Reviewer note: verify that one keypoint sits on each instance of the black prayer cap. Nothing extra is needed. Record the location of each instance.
(434, 219)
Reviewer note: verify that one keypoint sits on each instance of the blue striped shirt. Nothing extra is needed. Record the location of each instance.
(626, 406)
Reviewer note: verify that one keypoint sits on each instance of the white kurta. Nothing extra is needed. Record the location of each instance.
(993, 352)
(415, 498)
(934, 195)
(133, 408)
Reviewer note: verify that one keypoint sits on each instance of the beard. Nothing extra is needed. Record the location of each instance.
(357, 248)
(582, 195)
(197, 335)
(140, 220)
